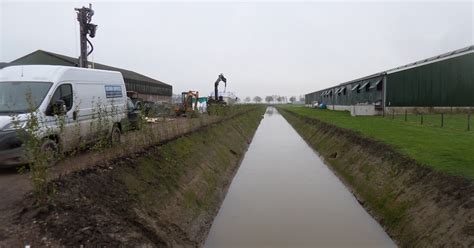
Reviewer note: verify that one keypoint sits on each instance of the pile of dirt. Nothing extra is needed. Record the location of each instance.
(164, 196)
(417, 206)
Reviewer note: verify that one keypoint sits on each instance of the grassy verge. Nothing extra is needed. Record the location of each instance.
(417, 205)
(209, 150)
(445, 149)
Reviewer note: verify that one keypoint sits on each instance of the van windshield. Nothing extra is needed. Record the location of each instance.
(22, 97)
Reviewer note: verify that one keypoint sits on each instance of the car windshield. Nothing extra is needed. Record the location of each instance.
(22, 97)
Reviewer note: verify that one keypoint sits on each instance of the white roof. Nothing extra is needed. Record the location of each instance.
(53, 73)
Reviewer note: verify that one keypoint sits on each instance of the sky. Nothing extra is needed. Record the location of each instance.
(262, 48)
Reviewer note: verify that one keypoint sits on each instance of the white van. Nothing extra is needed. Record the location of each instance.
(73, 106)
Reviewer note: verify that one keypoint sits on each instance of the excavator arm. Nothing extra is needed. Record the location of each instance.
(220, 78)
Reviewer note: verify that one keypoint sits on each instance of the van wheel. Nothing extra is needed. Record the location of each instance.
(49, 148)
(115, 135)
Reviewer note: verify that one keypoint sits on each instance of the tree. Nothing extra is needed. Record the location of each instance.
(247, 99)
(292, 99)
(279, 99)
(257, 99)
(301, 98)
(275, 98)
(268, 99)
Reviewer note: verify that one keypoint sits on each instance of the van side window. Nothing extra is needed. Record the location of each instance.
(113, 91)
(64, 92)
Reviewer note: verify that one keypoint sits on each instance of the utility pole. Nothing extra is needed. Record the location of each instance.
(84, 17)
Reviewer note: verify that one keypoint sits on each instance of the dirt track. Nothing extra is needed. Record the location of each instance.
(14, 186)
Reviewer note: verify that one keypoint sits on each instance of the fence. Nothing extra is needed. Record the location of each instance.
(455, 121)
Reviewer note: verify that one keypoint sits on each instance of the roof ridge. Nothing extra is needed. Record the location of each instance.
(75, 62)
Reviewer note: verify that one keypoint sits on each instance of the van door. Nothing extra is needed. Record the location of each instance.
(94, 111)
(61, 123)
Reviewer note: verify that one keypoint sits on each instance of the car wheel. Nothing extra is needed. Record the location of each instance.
(115, 136)
(49, 149)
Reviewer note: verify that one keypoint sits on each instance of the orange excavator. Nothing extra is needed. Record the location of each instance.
(186, 105)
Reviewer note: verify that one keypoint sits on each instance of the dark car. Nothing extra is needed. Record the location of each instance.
(133, 114)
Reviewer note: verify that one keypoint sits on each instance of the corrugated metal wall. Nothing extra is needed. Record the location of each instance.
(445, 83)
(344, 95)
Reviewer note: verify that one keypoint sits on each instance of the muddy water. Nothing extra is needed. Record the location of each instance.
(284, 196)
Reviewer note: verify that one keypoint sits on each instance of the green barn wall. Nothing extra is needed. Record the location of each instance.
(444, 83)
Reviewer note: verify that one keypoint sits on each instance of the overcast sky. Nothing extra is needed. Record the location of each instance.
(262, 48)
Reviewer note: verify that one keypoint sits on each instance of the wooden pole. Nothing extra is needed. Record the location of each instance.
(442, 119)
(469, 122)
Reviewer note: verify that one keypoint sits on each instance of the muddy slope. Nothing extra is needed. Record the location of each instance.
(165, 196)
(418, 207)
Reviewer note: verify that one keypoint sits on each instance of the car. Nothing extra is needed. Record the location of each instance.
(133, 114)
(73, 106)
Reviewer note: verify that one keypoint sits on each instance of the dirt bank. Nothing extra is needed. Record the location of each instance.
(418, 207)
(165, 195)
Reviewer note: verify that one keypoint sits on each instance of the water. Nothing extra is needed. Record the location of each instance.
(284, 196)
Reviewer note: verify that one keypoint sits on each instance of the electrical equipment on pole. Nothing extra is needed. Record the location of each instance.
(84, 17)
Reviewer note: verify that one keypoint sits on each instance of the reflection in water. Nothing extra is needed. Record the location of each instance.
(270, 111)
(284, 196)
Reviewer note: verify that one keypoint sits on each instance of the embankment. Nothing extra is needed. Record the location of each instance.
(166, 195)
(417, 206)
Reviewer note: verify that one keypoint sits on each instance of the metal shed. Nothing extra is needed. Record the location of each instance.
(147, 88)
(446, 80)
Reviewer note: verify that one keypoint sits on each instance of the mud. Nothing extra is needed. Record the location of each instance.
(417, 206)
(163, 196)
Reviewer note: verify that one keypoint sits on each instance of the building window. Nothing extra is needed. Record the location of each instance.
(366, 86)
(356, 88)
(377, 84)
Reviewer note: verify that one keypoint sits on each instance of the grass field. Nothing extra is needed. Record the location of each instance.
(449, 149)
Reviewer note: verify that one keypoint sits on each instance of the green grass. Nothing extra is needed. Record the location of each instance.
(449, 149)
(451, 121)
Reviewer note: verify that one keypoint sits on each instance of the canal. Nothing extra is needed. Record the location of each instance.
(285, 196)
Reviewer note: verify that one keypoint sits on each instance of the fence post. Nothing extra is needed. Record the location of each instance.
(421, 120)
(442, 119)
(405, 115)
(469, 122)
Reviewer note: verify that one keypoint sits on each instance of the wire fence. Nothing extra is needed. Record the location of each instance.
(454, 121)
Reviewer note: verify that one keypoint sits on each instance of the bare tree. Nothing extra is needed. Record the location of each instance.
(268, 99)
(292, 99)
(247, 99)
(279, 99)
(257, 99)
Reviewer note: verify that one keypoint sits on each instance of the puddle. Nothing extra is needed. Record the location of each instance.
(285, 196)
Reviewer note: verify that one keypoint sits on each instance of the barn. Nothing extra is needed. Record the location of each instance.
(141, 86)
(434, 84)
